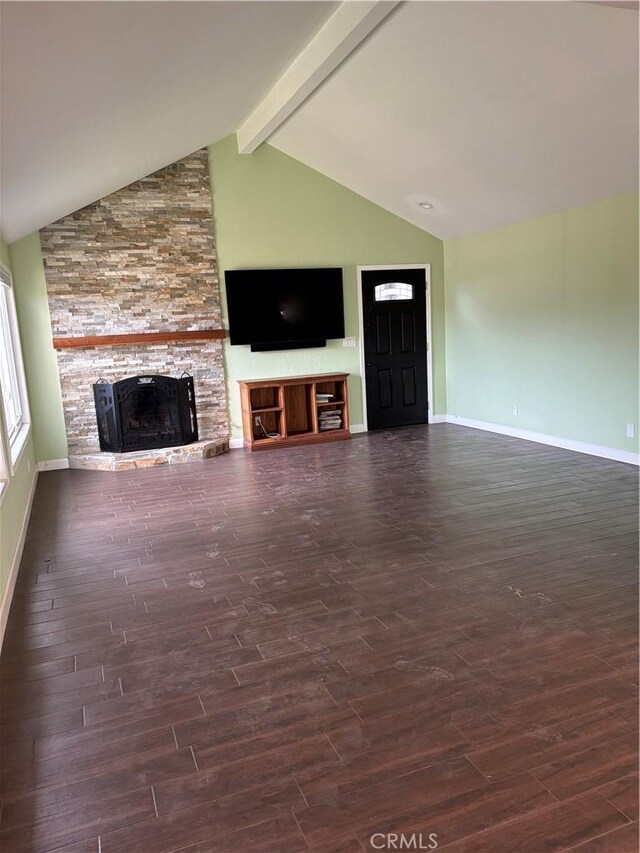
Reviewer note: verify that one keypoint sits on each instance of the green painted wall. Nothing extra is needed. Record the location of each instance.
(272, 210)
(40, 363)
(544, 315)
(13, 509)
(14, 499)
(541, 314)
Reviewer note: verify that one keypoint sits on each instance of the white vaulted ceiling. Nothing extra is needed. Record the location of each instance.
(97, 95)
(493, 111)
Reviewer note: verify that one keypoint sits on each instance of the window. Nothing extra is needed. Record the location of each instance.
(393, 291)
(14, 402)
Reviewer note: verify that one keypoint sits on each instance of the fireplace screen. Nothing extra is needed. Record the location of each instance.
(145, 412)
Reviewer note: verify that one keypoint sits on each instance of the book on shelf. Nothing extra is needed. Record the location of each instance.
(324, 398)
(330, 419)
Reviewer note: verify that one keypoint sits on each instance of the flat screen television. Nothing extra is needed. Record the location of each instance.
(284, 309)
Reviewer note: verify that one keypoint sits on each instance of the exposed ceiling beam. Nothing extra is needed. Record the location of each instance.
(620, 4)
(334, 41)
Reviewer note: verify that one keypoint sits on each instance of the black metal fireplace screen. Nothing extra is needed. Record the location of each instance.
(145, 412)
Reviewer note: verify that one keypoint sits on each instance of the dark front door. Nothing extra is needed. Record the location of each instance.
(395, 346)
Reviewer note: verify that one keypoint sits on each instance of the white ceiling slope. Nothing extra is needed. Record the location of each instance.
(95, 95)
(494, 112)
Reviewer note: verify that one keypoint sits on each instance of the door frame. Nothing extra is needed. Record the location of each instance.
(427, 282)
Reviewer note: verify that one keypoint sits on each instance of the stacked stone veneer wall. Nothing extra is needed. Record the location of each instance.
(141, 259)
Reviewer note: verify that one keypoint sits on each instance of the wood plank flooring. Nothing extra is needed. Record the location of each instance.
(428, 630)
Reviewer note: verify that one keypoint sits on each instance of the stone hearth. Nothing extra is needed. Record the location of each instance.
(195, 452)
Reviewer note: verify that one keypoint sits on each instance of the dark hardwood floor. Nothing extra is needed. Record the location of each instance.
(427, 631)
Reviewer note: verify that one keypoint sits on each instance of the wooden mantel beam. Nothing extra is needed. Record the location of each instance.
(139, 338)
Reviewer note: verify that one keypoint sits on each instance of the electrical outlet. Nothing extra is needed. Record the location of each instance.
(514, 410)
(631, 430)
(348, 342)
(257, 421)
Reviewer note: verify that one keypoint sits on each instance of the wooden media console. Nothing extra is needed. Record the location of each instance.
(294, 411)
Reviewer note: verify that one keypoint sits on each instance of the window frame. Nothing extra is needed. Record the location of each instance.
(5, 467)
(12, 445)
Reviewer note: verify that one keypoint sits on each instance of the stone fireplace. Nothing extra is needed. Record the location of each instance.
(133, 290)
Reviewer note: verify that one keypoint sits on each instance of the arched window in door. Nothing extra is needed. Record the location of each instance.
(393, 291)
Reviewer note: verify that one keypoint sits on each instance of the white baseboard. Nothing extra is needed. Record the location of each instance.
(525, 434)
(15, 563)
(553, 440)
(53, 465)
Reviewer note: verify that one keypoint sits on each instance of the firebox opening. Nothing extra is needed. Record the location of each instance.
(145, 413)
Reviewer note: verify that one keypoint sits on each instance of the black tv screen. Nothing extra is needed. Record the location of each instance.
(284, 309)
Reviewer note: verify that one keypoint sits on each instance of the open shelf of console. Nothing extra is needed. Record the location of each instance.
(294, 410)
